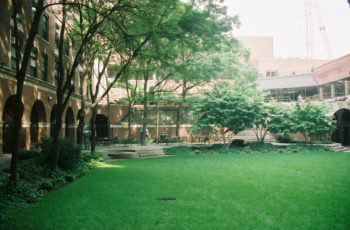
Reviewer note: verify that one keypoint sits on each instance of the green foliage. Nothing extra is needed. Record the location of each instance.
(280, 118)
(28, 154)
(176, 150)
(36, 178)
(262, 147)
(69, 152)
(238, 143)
(93, 157)
(312, 120)
(307, 147)
(284, 138)
(229, 110)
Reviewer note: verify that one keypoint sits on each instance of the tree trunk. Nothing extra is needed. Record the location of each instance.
(157, 122)
(223, 135)
(56, 133)
(108, 117)
(178, 120)
(129, 120)
(93, 130)
(59, 94)
(20, 76)
(81, 120)
(16, 133)
(145, 111)
(178, 110)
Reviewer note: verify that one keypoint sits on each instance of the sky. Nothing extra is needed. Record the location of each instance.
(284, 21)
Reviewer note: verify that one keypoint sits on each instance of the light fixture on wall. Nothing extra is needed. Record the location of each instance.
(50, 98)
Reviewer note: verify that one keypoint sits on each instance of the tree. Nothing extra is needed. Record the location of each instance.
(22, 60)
(125, 33)
(227, 109)
(312, 120)
(271, 117)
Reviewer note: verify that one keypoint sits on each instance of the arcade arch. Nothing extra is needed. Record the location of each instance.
(101, 126)
(8, 117)
(342, 131)
(37, 117)
(69, 123)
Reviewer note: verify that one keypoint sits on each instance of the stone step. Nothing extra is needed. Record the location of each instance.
(134, 153)
(342, 149)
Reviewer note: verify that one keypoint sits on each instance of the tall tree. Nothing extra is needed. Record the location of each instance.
(65, 86)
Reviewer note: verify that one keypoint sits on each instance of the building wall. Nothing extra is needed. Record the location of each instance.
(33, 92)
(260, 47)
(36, 89)
(262, 58)
(333, 70)
(286, 67)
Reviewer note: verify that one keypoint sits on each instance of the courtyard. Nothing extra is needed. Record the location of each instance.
(303, 190)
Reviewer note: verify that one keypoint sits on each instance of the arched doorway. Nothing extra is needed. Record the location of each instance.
(8, 117)
(101, 126)
(37, 115)
(53, 118)
(69, 122)
(342, 131)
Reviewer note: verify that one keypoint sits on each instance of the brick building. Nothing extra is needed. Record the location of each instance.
(39, 94)
(261, 56)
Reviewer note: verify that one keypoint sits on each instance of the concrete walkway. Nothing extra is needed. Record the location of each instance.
(5, 161)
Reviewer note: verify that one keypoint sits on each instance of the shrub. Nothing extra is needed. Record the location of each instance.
(69, 152)
(238, 143)
(306, 147)
(262, 147)
(217, 146)
(28, 154)
(181, 149)
(285, 138)
(197, 151)
(46, 185)
(93, 157)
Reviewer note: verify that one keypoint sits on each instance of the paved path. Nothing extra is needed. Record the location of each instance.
(5, 161)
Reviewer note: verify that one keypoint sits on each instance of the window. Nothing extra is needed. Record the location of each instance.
(33, 59)
(45, 32)
(57, 37)
(44, 66)
(271, 73)
(326, 91)
(339, 88)
(13, 51)
(33, 9)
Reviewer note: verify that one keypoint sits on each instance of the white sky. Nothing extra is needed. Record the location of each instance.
(284, 21)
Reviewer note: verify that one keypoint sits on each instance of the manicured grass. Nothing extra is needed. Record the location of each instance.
(309, 190)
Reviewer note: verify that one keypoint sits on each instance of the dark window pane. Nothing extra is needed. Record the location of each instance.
(45, 31)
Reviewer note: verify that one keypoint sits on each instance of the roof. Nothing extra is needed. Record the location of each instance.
(285, 82)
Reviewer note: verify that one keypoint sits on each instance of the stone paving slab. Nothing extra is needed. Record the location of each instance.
(5, 161)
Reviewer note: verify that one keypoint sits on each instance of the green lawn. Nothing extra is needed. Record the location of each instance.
(236, 191)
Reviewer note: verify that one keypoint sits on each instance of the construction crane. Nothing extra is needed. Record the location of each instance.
(310, 7)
